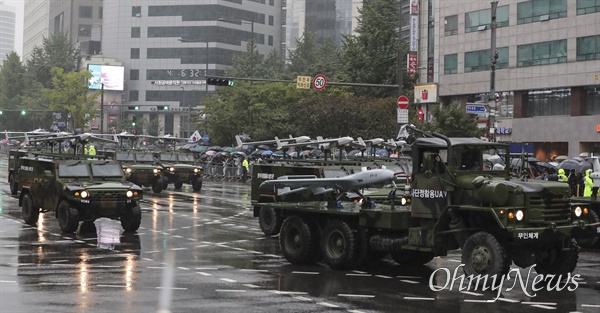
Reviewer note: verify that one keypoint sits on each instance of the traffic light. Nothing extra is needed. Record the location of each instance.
(133, 108)
(162, 107)
(133, 119)
(0, 112)
(23, 112)
(219, 82)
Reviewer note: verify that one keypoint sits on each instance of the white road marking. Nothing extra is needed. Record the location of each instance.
(242, 240)
(204, 274)
(273, 255)
(409, 281)
(409, 277)
(455, 261)
(146, 259)
(359, 272)
(202, 246)
(509, 300)
(539, 303)
(112, 286)
(355, 296)
(172, 288)
(306, 273)
(362, 275)
(302, 298)
(177, 236)
(479, 301)
(183, 268)
(239, 249)
(251, 286)
(331, 305)
(472, 293)
(207, 268)
(418, 298)
(192, 239)
(79, 241)
(255, 252)
(8, 281)
(156, 267)
(59, 261)
(229, 290)
(591, 305)
(253, 270)
(279, 292)
(544, 307)
(228, 280)
(355, 311)
(186, 227)
(176, 249)
(382, 276)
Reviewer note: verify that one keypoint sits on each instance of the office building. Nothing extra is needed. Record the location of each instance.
(7, 30)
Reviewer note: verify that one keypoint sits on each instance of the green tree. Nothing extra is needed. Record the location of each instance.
(70, 94)
(247, 64)
(372, 56)
(451, 120)
(57, 51)
(273, 66)
(311, 58)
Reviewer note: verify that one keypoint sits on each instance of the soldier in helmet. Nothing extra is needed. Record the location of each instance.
(562, 177)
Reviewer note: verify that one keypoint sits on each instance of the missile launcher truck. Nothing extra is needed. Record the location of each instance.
(456, 202)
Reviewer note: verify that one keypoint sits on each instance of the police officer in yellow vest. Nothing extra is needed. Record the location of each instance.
(562, 177)
(92, 150)
(245, 169)
(589, 184)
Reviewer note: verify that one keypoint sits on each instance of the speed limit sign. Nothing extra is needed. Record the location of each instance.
(319, 82)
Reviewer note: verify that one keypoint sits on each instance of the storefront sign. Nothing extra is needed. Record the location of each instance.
(504, 130)
(412, 63)
(414, 33)
(426, 93)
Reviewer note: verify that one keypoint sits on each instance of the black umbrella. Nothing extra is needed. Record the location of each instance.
(263, 147)
(584, 166)
(570, 164)
(215, 148)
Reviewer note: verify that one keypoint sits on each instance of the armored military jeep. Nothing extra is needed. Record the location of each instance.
(77, 190)
(13, 158)
(141, 169)
(180, 168)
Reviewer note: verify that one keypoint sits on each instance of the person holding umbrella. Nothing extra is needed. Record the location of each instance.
(245, 169)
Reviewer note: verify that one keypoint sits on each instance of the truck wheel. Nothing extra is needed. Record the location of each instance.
(483, 254)
(338, 245)
(157, 186)
(559, 262)
(364, 253)
(131, 221)
(165, 183)
(14, 187)
(269, 221)
(411, 257)
(590, 242)
(30, 214)
(197, 184)
(68, 217)
(177, 185)
(298, 241)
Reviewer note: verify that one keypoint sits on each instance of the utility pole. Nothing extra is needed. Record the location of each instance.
(494, 57)
(102, 109)
(400, 70)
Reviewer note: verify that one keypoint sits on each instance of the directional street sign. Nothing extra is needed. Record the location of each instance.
(319, 82)
(475, 109)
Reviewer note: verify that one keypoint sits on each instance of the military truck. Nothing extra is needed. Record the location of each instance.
(13, 158)
(494, 218)
(180, 168)
(591, 238)
(140, 168)
(77, 190)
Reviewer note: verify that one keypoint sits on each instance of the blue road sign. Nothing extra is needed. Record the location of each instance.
(475, 109)
(61, 124)
(205, 138)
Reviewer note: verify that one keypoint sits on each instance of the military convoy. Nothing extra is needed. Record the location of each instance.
(180, 168)
(76, 189)
(592, 204)
(141, 169)
(453, 202)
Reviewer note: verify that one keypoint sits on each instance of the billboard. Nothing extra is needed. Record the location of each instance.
(111, 76)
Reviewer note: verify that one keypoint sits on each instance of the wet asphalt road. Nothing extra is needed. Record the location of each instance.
(223, 263)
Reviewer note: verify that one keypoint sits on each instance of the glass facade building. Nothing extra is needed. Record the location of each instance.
(7, 30)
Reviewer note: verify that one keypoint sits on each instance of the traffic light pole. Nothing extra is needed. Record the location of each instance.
(494, 58)
(102, 109)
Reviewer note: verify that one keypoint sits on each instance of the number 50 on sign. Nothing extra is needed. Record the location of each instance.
(319, 82)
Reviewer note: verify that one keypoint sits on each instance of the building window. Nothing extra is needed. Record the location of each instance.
(482, 20)
(478, 61)
(588, 6)
(450, 64)
(271, 2)
(135, 53)
(270, 40)
(100, 12)
(59, 22)
(134, 95)
(85, 30)
(135, 32)
(271, 20)
(451, 25)
(136, 11)
(592, 104)
(549, 102)
(134, 74)
(588, 48)
(540, 10)
(543, 53)
(85, 11)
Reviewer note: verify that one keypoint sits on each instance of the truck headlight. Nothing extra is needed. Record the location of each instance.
(197, 170)
(156, 171)
(578, 211)
(172, 169)
(128, 170)
(403, 201)
(519, 215)
(129, 193)
(85, 194)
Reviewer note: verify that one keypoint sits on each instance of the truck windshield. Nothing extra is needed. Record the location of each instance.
(124, 157)
(144, 157)
(107, 170)
(73, 170)
(168, 157)
(186, 157)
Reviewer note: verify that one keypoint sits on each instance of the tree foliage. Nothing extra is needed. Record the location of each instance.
(451, 120)
(311, 58)
(69, 93)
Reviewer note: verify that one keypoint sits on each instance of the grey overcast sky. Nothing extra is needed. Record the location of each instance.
(19, 5)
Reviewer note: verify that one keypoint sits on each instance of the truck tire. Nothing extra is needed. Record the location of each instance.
(157, 186)
(338, 245)
(177, 185)
(269, 221)
(197, 184)
(14, 187)
(68, 217)
(590, 242)
(412, 257)
(165, 183)
(559, 262)
(30, 214)
(483, 254)
(299, 241)
(132, 220)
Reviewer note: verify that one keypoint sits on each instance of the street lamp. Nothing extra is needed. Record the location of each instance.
(251, 22)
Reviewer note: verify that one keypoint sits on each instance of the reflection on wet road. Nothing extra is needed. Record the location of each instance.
(224, 263)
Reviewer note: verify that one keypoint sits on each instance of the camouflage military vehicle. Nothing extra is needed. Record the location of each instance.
(77, 190)
(180, 168)
(591, 204)
(494, 218)
(141, 169)
(13, 161)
